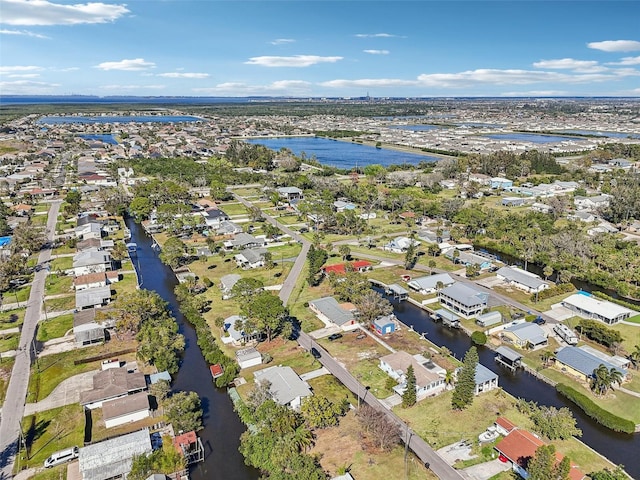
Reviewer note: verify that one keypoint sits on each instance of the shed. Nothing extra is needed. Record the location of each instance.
(384, 325)
(489, 318)
(156, 377)
(248, 357)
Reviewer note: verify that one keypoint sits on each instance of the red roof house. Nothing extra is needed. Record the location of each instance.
(341, 268)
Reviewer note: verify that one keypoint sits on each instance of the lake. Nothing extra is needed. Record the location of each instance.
(600, 133)
(531, 137)
(341, 154)
(417, 128)
(76, 119)
(105, 138)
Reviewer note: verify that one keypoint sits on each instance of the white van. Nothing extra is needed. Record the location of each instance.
(62, 456)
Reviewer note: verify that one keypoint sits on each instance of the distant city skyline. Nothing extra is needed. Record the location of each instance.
(331, 48)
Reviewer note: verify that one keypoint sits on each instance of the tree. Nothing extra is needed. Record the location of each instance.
(131, 309)
(184, 411)
(635, 356)
(553, 423)
(547, 271)
(266, 312)
(466, 384)
(371, 305)
(160, 390)
(479, 338)
(409, 396)
(246, 287)
(345, 251)
(141, 207)
(411, 255)
(545, 466)
(160, 344)
(606, 474)
(603, 379)
(173, 251)
(383, 430)
(320, 412)
(349, 287)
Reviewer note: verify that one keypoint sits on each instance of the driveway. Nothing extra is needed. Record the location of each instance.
(66, 393)
(484, 471)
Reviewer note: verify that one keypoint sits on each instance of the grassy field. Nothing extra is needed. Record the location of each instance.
(61, 263)
(6, 317)
(20, 295)
(9, 342)
(525, 298)
(127, 284)
(56, 284)
(6, 366)
(630, 335)
(55, 328)
(50, 431)
(61, 304)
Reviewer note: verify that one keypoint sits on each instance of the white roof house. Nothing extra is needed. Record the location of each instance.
(428, 284)
(287, 387)
(463, 299)
(590, 307)
(113, 458)
(522, 279)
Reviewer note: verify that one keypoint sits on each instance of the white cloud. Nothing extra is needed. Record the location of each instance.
(26, 87)
(370, 82)
(18, 68)
(135, 64)
(282, 41)
(504, 77)
(615, 45)
(294, 61)
(26, 33)
(42, 12)
(281, 87)
(586, 66)
(132, 87)
(23, 75)
(375, 35)
(627, 61)
(377, 52)
(183, 75)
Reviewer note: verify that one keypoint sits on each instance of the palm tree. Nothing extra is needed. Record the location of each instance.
(635, 357)
(604, 378)
(449, 378)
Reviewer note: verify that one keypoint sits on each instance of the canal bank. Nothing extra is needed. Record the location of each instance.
(222, 427)
(619, 448)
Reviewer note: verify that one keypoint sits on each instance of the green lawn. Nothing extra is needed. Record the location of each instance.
(55, 328)
(61, 263)
(41, 207)
(369, 373)
(127, 284)
(50, 431)
(525, 298)
(6, 317)
(630, 335)
(6, 366)
(60, 304)
(20, 295)
(233, 208)
(56, 284)
(9, 342)
(634, 319)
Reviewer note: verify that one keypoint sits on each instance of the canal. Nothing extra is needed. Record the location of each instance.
(222, 427)
(621, 449)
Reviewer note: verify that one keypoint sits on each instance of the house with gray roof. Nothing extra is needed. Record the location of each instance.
(290, 193)
(91, 261)
(228, 228)
(525, 335)
(113, 458)
(485, 379)
(463, 299)
(580, 363)
(213, 217)
(286, 387)
(467, 258)
(522, 280)
(250, 258)
(121, 411)
(244, 240)
(93, 297)
(112, 383)
(234, 331)
(331, 312)
(227, 282)
(429, 284)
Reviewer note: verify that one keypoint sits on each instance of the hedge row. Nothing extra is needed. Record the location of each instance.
(599, 414)
(604, 296)
(553, 291)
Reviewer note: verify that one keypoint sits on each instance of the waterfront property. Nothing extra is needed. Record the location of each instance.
(525, 335)
(429, 376)
(286, 387)
(110, 384)
(234, 332)
(587, 306)
(522, 280)
(121, 411)
(485, 379)
(463, 299)
(508, 358)
(430, 283)
(248, 357)
(384, 325)
(332, 313)
(581, 364)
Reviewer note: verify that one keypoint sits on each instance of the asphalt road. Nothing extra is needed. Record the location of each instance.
(13, 408)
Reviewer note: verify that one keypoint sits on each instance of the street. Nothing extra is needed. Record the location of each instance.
(13, 408)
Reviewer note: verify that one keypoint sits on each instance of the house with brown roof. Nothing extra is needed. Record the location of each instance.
(128, 409)
(520, 446)
(95, 280)
(111, 384)
(22, 209)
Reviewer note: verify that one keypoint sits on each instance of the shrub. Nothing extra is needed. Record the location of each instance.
(553, 291)
(479, 338)
(207, 282)
(599, 414)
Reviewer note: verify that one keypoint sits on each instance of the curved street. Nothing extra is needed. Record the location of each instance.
(13, 408)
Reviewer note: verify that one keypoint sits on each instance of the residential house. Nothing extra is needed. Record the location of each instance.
(234, 331)
(86, 330)
(500, 183)
(592, 203)
(250, 258)
(504, 426)
(429, 284)
(485, 379)
(93, 297)
(22, 209)
(602, 227)
(112, 383)
(95, 280)
(463, 299)
(342, 268)
(582, 216)
(400, 244)
(384, 325)
(429, 376)
(522, 280)
(540, 207)
(581, 363)
(248, 357)
(228, 228)
(213, 217)
(244, 240)
(513, 202)
(340, 206)
(227, 282)
(525, 335)
(519, 447)
(290, 193)
(332, 313)
(113, 458)
(286, 387)
(431, 236)
(123, 410)
(588, 306)
(91, 261)
(88, 230)
(466, 258)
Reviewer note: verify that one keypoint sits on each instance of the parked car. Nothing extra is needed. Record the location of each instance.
(539, 320)
(334, 336)
(316, 354)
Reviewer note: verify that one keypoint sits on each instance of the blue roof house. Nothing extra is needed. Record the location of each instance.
(384, 325)
(581, 364)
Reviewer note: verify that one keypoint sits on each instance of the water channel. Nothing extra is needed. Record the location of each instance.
(617, 447)
(222, 427)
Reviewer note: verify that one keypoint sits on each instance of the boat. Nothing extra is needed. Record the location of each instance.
(132, 248)
(489, 435)
(127, 234)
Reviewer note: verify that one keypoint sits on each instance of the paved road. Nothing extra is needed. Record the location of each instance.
(13, 408)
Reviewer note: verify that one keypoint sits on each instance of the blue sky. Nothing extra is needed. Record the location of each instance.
(320, 48)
